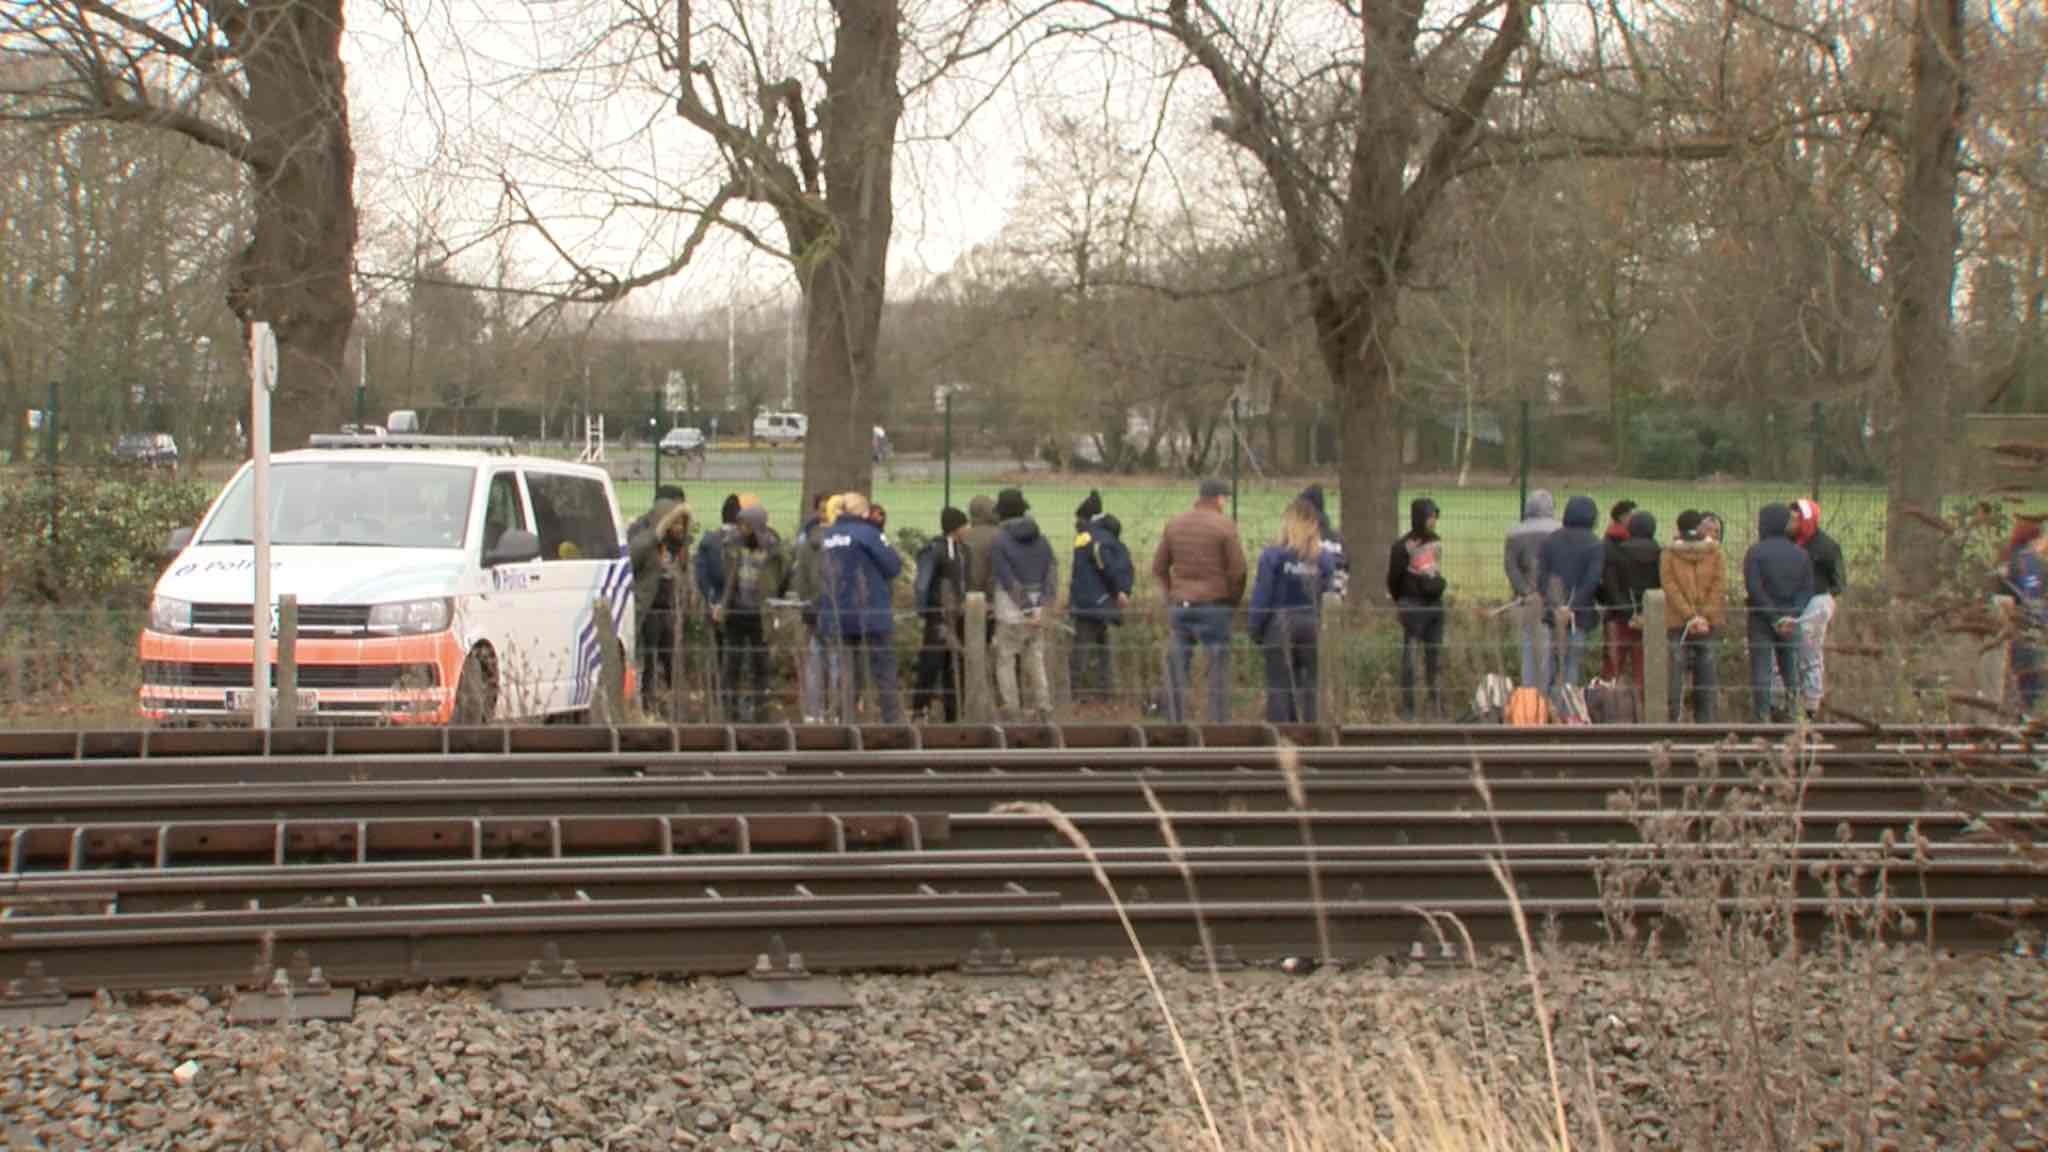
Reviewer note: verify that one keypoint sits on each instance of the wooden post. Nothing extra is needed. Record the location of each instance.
(974, 691)
(287, 712)
(1994, 663)
(607, 706)
(1656, 661)
(1330, 663)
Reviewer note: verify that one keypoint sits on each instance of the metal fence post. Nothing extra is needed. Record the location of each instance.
(974, 692)
(1524, 501)
(1819, 451)
(1233, 458)
(287, 711)
(948, 497)
(1656, 661)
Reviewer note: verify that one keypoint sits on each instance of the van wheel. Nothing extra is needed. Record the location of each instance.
(476, 694)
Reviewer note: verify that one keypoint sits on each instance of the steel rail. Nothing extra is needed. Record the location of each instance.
(1079, 791)
(86, 952)
(1465, 871)
(1502, 762)
(512, 741)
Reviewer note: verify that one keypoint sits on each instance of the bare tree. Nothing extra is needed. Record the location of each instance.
(257, 80)
(1922, 274)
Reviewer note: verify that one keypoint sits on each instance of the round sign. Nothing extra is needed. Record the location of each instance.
(266, 355)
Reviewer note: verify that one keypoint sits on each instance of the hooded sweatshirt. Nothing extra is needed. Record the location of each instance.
(1570, 562)
(856, 567)
(1025, 571)
(1776, 573)
(1695, 582)
(1415, 562)
(1633, 565)
(1525, 543)
(1102, 570)
(981, 546)
(1829, 575)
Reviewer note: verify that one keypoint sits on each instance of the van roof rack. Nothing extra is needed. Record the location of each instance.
(499, 445)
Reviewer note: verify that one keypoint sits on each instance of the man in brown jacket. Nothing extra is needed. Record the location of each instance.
(1695, 600)
(1201, 572)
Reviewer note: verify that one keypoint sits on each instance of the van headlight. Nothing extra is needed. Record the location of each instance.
(168, 615)
(411, 617)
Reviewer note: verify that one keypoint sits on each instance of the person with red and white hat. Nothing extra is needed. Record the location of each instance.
(1830, 580)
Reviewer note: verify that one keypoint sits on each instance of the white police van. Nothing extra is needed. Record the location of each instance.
(439, 580)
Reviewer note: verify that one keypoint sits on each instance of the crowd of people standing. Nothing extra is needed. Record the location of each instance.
(1579, 593)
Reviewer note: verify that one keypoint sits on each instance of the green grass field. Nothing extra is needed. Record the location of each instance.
(1473, 523)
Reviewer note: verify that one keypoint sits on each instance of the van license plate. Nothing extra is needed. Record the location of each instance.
(244, 700)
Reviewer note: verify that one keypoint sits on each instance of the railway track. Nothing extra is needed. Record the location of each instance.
(132, 860)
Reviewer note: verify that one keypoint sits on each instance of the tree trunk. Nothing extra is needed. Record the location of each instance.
(843, 268)
(297, 272)
(1356, 345)
(1922, 276)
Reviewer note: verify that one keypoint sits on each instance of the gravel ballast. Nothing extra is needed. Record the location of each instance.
(1070, 1055)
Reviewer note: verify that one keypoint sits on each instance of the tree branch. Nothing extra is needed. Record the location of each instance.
(1462, 124)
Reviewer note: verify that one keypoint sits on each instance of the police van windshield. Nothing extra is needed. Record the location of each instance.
(352, 503)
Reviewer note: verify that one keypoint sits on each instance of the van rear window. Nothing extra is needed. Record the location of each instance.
(361, 504)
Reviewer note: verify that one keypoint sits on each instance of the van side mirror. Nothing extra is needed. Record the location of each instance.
(516, 546)
(176, 542)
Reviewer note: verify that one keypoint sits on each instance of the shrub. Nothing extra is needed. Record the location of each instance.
(109, 536)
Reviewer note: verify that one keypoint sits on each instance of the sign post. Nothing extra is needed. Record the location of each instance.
(262, 382)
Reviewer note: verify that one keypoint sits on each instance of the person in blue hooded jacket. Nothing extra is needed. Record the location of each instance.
(1098, 588)
(859, 567)
(1778, 577)
(1568, 571)
(1286, 613)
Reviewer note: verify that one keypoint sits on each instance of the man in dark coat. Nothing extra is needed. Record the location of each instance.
(654, 597)
(1778, 577)
(1633, 568)
(942, 589)
(1026, 580)
(1415, 584)
(1098, 589)
(1568, 572)
(1613, 604)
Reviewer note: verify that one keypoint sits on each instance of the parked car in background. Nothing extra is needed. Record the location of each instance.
(683, 442)
(444, 581)
(881, 444)
(403, 422)
(149, 449)
(362, 430)
(781, 427)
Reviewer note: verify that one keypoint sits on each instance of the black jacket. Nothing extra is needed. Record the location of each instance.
(1777, 575)
(1633, 566)
(1404, 586)
(1829, 573)
(1570, 564)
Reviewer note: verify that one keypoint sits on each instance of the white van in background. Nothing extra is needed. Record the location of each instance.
(403, 422)
(783, 427)
(437, 582)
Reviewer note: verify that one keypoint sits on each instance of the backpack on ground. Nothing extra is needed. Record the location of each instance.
(1573, 708)
(1490, 699)
(1526, 708)
(1611, 702)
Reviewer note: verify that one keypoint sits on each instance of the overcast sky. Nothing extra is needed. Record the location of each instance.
(481, 88)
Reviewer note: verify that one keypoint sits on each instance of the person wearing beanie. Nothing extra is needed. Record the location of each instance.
(1695, 582)
(1098, 589)
(1200, 568)
(939, 591)
(1613, 601)
(1333, 544)
(1415, 583)
(709, 567)
(1026, 580)
(1569, 567)
(1633, 568)
(1524, 559)
(2023, 575)
(1829, 582)
(1777, 577)
(1088, 510)
(652, 558)
(756, 571)
(858, 568)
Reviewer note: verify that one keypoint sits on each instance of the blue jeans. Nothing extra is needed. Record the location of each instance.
(1771, 656)
(1207, 625)
(1564, 669)
(1694, 656)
